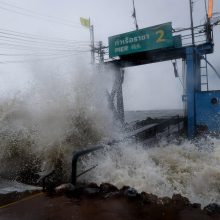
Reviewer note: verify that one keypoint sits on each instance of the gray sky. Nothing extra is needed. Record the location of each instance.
(146, 87)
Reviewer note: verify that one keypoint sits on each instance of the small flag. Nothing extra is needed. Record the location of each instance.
(85, 22)
(210, 8)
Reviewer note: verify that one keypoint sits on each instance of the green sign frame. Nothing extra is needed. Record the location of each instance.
(147, 39)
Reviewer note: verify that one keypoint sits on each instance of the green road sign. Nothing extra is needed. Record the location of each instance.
(146, 39)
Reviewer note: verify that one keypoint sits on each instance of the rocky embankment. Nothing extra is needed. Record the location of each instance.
(107, 202)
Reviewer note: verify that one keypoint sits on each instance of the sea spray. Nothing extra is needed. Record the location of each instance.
(61, 110)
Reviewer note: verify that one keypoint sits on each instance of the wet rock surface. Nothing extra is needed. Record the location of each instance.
(212, 208)
(88, 202)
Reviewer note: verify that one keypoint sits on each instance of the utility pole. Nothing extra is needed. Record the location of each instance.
(206, 9)
(101, 52)
(92, 39)
(191, 19)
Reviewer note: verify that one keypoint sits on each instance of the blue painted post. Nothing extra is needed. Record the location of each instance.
(190, 91)
(197, 72)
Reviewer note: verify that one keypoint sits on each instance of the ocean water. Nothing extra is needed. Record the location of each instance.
(131, 116)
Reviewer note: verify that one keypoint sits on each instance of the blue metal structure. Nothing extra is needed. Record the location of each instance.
(193, 83)
(208, 110)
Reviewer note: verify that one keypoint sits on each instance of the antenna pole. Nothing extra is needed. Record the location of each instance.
(191, 19)
(134, 16)
(206, 9)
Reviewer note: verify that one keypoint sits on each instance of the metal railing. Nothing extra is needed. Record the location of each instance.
(202, 34)
(138, 134)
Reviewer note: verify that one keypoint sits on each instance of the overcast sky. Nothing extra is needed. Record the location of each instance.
(145, 87)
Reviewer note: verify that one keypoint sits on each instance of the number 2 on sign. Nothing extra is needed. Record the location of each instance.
(160, 37)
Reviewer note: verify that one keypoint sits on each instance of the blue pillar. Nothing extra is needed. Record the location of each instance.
(190, 91)
(193, 85)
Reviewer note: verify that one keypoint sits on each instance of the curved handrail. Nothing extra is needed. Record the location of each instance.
(75, 158)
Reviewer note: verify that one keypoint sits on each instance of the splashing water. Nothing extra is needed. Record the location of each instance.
(64, 109)
(190, 169)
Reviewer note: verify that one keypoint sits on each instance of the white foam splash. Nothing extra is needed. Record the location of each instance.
(165, 169)
(13, 186)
